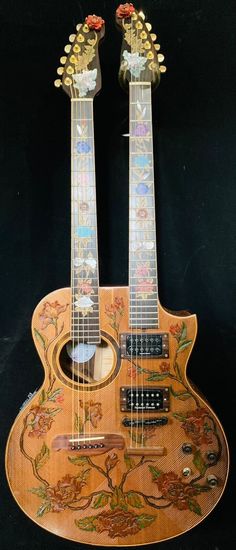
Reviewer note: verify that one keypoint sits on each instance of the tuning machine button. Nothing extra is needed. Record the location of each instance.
(212, 480)
(187, 448)
(163, 69)
(63, 60)
(60, 70)
(67, 48)
(72, 37)
(57, 83)
(160, 57)
(153, 37)
(149, 26)
(186, 472)
(157, 47)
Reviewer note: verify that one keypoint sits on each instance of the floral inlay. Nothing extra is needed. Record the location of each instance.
(115, 312)
(197, 425)
(141, 161)
(141, 129)
(125, 10)
(83, 147)
(84, 232)
(142, 270)
(142, 189)
(135, 63)
(86, 265)
(83, 304)
(50, 313)
(91, 411)
(142, 213)
(85, 81)
(94, 22)
(145, 288)
(84, 206)
(85, 287)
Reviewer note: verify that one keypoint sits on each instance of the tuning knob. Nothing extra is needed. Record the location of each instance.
(187, 472)
(163, 69)
(157, 47)
(141, 14)
(67, 48)
(60, 70)
(212, 480)
(72, 37)
(160, 57)
(58, 83)
(211, 457)
(153, 37)
(149, 26)
(63, 60)
(78, 26)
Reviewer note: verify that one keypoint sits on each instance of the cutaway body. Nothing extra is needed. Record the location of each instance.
(132, 455)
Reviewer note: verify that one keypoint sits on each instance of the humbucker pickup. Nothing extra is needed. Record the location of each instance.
(144, 399)
(144, 345)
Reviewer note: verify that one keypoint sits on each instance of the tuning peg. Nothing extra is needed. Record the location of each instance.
(63, 60)
(67, 48)
(60, 70)
(163, 69)
(153, 37)
(149, 26)
(72, 37)
(57, 83)
(78, 26)
(141, 14)
(157, 47)
(160, 57)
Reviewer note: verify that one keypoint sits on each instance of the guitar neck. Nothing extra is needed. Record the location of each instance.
(85, 326)
(143, 280)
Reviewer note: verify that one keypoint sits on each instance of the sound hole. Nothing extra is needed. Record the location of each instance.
(87, 363)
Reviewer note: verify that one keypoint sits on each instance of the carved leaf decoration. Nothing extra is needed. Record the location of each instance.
(85, 58)
(133, 41)
(79, 426)
(194, 507)
(45, 507)
(42, 397)
(40, 338)
(157, 376)
(134, 500)
(184, 345)
(182, 395)
(39, 491)
(78, 460)
(101, 500)
(130, 463)
(155, 472)
(184, 332)
(42, 457)
(199, 462)
(54, 395)
(144, 520)
(118, 500)
(87, 524)
(180, 416)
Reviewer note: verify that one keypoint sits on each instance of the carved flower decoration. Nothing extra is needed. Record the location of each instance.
(132, 371)
(86, 287)
(92, 411)
(142, 270)
(197, 428)
(42, 421)
(118, 523)
(124, 11)
(94, 22)
(135, 62)
(164, 366)
(50, 313)
(173, 489)
(145, 287)
(111, 461)
(176, 331)
(85, 81)
(65, 492)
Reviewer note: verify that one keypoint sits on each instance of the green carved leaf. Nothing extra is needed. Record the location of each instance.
(155, 472)
(45, 507)
(54, 394)
(101, 500)
(118, 500)
(199, 462)
(183, 332)
(39, 491)
(40, 338)
(79, 425)
(184, 345)
(201, 488)
(53, 412)
(130, 463)
(182, 395)
(180, 416)
(42, 397)
(157, 376)
(194, 507)
(42, 457)
(87, 524)
(145, 520)
(134, 500)
(78, 460)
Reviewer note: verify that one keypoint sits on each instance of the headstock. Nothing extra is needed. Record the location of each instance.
(140, 60)
(81, 74)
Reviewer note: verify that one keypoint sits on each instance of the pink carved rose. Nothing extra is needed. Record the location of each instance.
(50, 313)
(94, 22)
(124, 11)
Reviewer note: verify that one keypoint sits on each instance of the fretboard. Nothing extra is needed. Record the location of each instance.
(143, 281)
(85, 326)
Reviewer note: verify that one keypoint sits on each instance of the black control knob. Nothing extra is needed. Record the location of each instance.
(211, 457)
(187, 448)
(212, 480)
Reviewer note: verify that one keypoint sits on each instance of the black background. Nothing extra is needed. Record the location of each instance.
(194, 131)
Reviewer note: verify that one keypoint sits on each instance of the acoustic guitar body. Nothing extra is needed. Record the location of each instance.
(133, 454)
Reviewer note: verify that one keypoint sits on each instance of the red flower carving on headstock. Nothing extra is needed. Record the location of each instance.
(94, 22)
(124, 11)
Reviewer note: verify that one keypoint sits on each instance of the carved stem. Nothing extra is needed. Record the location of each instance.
(35, 471)
(125, 475)
(103, 472)
(89, 499)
